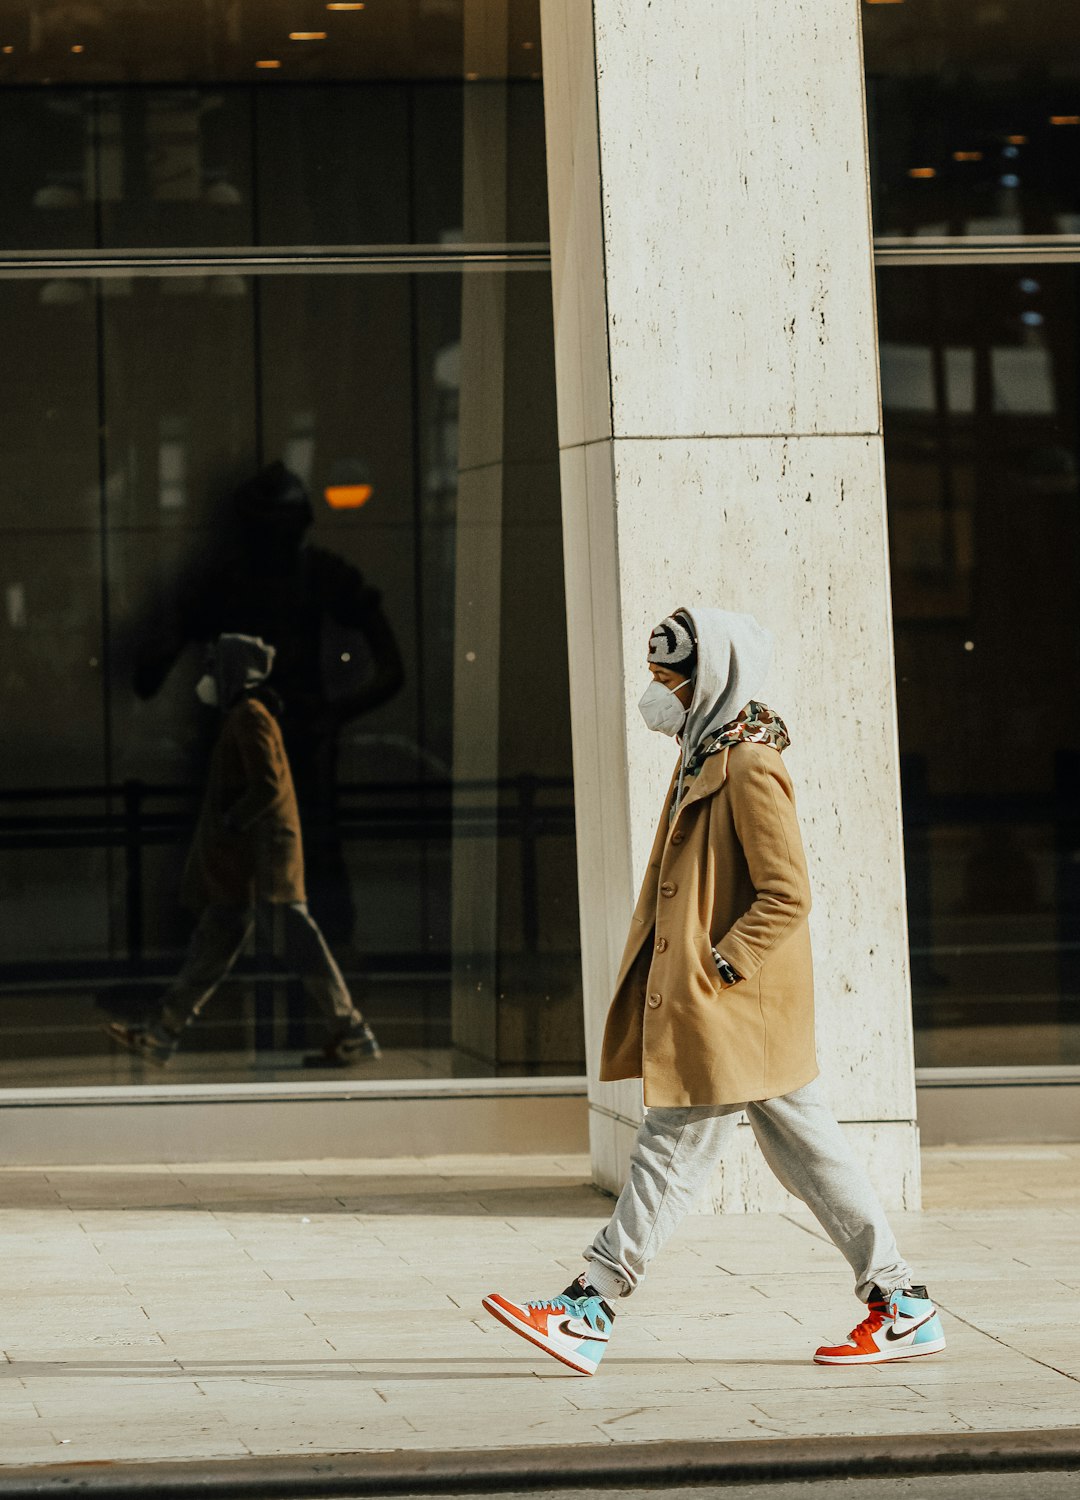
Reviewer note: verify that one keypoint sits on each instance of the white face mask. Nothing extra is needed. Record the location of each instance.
(206, 690)
(660, 708)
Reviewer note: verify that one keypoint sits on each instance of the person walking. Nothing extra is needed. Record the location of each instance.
(247, 849)
(714, 1011)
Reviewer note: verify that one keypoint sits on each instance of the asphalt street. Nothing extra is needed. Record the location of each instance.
(1041, 1485)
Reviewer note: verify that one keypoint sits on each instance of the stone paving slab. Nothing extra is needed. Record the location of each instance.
(211, 1312)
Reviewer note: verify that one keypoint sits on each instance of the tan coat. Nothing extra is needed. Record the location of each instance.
(247, 844)
(729, 872)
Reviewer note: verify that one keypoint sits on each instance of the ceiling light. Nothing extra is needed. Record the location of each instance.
(922, 171)
(9, 49)
(342, 5)
(307, 36)
(967, 156)
(1017, 140)
(348, 496)
(268, 62)
(78, 48)
(1065, 119)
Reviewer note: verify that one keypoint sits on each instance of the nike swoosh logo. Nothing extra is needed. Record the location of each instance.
(892, 1335)
(574, 1328)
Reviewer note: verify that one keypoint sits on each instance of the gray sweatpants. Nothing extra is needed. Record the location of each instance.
(216, 944)
(676, 1151)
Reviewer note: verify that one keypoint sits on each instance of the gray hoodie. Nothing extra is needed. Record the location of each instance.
(733, 657)
(241, 662)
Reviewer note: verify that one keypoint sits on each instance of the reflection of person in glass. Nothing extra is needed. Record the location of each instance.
(269, 581)
(247, 849)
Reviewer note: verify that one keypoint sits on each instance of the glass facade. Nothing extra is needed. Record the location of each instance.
(278, 361)
(974, 119)
(975, 164)
(229, 244)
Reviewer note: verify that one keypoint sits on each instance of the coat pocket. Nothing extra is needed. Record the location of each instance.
(708, 963)
(703, 948)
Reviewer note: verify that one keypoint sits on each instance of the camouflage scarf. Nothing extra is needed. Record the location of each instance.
(755, 723)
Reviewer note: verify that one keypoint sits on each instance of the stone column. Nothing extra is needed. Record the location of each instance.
(721, 445)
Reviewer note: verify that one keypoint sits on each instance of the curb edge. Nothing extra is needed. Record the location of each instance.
(763, 1461)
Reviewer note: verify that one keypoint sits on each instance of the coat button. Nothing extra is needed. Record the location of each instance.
(678, 836)
(661, 945)
(655, 999)
(668, 888)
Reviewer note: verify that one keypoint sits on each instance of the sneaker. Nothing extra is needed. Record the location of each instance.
(900, 1325)
(152, 1043)
(574, 1327)
(356, 1044)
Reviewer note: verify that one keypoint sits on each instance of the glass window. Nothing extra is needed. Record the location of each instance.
(979, 385)
(457, 779)
(974, 112)
(975, 132)
(46, 159)
(358, 466)
(171, 166)
(220, 124)
(306, 164)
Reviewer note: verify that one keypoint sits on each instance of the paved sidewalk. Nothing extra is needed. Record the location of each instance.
(302, 1308)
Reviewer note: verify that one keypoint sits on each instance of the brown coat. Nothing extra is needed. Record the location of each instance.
(247, 844)
(730, 871)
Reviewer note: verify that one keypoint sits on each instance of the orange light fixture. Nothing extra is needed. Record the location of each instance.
(268, 62)
(78, 48)
(884, 2)
(9, 49)
(307, 36)
(1065, 119)
(342, 5)
(922, 171)
(348, 496)
(1017, 140)
(472, 77)
(967, 156)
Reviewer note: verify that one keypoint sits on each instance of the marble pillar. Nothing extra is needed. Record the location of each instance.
(720, 435)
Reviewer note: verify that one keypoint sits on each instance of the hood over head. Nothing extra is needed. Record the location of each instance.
(733, 656)
(274, 506)
(240, 663)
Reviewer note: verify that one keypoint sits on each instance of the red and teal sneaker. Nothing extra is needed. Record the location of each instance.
(574, 1327)
(153, 1043)
(901, 1325)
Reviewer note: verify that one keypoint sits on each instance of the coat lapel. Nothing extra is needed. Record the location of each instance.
(709, 779)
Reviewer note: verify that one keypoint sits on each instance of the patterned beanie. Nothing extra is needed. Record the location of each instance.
(673, 647)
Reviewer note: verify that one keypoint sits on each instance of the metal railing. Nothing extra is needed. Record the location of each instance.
(135, 816)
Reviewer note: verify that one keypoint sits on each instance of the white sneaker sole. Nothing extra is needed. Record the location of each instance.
(566, 1353)
(115, 1031)
(884, 1357)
